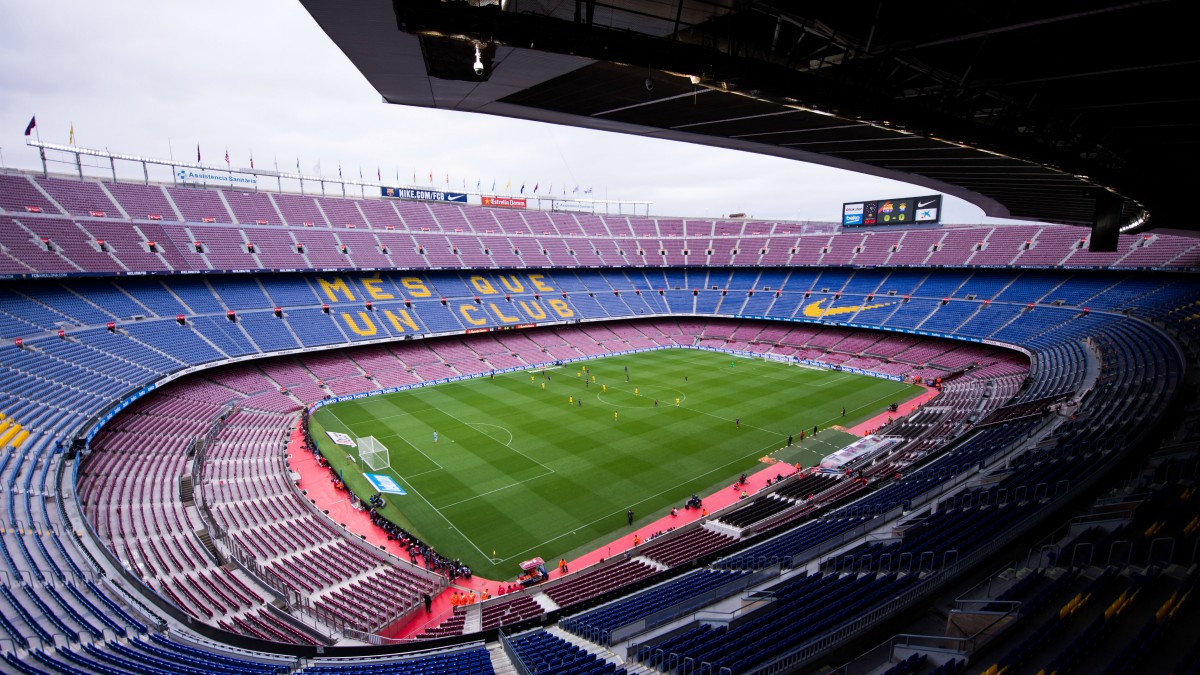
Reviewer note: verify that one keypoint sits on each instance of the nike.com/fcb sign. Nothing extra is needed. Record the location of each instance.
(925, 210)
(423, 195)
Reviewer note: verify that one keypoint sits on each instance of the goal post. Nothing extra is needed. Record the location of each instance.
(373, 453)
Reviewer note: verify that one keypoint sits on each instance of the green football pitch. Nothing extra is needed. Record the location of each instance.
(522, 468)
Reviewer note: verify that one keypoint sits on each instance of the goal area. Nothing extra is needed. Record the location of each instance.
(373, 453)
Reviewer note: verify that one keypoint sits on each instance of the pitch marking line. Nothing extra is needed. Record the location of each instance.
(456, 419)
(476, 425)
(819, 384)
(414, 447)
(521, 554)
(406, 442)
(402, 413)
(417, 492)
(484, 494)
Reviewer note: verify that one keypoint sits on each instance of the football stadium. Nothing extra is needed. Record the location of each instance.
(267, 422)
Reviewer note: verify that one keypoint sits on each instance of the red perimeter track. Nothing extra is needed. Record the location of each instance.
(318, 483)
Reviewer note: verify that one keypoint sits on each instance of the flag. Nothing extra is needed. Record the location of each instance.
(297, 166)
(251, 159)
(226, 156)
(72, 136)
(493, 553)
(493, 185)
(431, 176)
(197, 151)
(576, 190)
(535, 187)
(379, 173)
(32, 124)
(478, 181)
(339, 170)
(508, 186)
(522, 188)
(360, 176)
(587, 191)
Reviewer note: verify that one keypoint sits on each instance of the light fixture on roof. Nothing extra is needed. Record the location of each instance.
(478, 61)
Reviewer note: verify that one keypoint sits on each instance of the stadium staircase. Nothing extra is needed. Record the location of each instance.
(501, 664)
(38, 186)
(186, 490)
(472, 619)
(206, 540)
(630, 666)
(546, 603)
(108, 193)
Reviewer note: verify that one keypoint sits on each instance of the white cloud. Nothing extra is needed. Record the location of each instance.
(152, 78)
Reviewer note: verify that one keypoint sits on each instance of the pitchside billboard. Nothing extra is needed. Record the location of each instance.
(504, 202)
(925, 210)
(423, 195)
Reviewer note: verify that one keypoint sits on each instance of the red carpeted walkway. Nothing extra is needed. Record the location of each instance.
(317, 482)
(863, 428)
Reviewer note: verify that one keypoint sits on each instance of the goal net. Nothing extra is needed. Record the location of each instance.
(373, 453)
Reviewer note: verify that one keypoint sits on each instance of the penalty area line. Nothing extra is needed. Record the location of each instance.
(499, 489)
(415, 491)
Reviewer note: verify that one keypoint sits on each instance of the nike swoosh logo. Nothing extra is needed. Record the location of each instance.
(921, 205)
(814, 310)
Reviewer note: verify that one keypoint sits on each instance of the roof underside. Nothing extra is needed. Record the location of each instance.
(1026, 109)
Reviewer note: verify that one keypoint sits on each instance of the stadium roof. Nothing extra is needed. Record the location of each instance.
(1027, 109)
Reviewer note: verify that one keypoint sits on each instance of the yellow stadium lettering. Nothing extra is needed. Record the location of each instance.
(332, 288)
(501, 315)
(467, 311)
(416, 287)
(483, 285)
(535, 311)
(399, 322)
(536, 280)
(373, 289)
(369, 325)
(512, 283)
(560, 307)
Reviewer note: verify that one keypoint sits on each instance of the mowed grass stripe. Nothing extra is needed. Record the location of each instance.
(526, 473)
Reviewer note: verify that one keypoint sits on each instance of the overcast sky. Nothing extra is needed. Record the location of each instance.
(156, 77)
